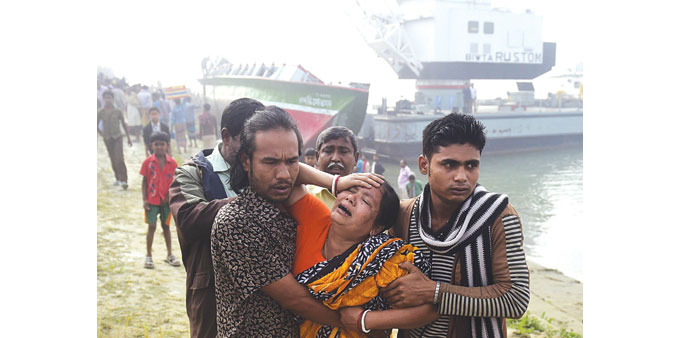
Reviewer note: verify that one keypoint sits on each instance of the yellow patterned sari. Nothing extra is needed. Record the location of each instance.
(355, 277)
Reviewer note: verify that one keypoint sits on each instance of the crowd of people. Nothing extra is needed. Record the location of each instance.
(135, 112)
(273, 246)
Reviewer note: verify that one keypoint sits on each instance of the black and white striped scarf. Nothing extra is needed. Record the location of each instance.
(467, 234)
(479, 211)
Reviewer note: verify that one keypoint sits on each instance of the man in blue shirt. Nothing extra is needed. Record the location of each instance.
(178, 122)
(190, 121)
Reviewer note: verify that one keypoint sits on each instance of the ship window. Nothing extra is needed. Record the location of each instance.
(488, 27)
(486, 48)
(473, 26)
(474, 48)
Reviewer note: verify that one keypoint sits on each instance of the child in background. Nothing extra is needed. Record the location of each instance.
(310, 157)
(414, 187)
(158, 170)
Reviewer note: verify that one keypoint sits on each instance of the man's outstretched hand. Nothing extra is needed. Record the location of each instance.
(411, 290)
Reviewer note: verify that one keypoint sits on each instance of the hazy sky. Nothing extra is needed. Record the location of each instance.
(166, 41)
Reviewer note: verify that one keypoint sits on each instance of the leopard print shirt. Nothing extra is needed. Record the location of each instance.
(252, 246)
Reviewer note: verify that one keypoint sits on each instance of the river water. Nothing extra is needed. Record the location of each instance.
(546, 189)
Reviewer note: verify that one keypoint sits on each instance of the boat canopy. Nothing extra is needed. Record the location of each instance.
(292, 73)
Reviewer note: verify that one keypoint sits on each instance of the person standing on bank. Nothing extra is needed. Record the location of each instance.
(179, 125)
(208, 131)
(404, 173)
(134, 119)
(200, 188)
(190, 120)
(466, 91)
(157, 171)
(414, 187)
(155, 125)
(112, 120)
(145, 102)
(474, 104)
(376, 167)
(474, 237)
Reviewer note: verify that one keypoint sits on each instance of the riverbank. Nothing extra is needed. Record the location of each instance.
(136, 302)
(555, 299)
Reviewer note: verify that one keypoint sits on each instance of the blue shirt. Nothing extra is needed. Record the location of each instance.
(190, 111)
(178, 114)
(359, 166)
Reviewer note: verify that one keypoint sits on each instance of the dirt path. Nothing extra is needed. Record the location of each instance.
(134, 301)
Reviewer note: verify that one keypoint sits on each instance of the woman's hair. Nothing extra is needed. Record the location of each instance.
(389, 207)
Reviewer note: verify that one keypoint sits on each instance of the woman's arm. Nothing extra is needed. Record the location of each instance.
(407, 318)
(314, 176)
(310, 175)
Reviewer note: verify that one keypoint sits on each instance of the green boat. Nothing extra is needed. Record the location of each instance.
(312, 103)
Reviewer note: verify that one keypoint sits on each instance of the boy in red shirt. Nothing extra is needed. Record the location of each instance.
(158, 170)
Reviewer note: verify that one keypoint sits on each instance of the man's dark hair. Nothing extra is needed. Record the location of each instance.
(269, 118)
(159, 136)
(310, 151)
(411, 177)
(389, 207)
(453, 129)
(333, 133)
(207, 106)
(236, 114)
(154, 108)
(107, 92)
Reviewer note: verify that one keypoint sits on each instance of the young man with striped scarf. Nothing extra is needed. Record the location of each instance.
(472, 237)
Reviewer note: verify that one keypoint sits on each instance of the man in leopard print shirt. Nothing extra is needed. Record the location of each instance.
(253, 237)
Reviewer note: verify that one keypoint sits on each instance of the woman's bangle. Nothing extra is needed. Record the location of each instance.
(334, 182)
(437, 292)
(362, 321)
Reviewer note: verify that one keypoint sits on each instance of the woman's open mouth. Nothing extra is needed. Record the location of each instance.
(344, 209)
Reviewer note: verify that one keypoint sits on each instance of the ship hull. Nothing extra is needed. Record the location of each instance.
(400, 137)
(314, 106)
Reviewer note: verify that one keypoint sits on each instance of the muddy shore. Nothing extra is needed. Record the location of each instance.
(136, 302)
